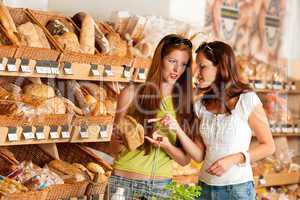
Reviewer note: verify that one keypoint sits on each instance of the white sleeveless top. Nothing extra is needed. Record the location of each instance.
(224, 135)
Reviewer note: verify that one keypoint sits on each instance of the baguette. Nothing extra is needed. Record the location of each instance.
(87, 35)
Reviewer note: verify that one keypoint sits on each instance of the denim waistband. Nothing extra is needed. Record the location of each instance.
(150, 181)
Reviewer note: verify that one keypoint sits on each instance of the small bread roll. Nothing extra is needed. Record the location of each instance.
(95, 168)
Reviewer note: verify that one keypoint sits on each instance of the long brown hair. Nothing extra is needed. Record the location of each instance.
(227, 85)
(149, 96)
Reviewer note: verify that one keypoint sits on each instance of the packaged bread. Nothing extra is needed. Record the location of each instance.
(96, 90)
(132, 132)
(39, 90)
(53, 105)
(100, 40)
(34, 35)
(87, 35)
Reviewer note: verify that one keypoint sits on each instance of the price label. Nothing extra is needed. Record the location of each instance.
(142, 75)
(68, 68)
(40, 133)
(12, 134)
(262, 181)
(108, 71)
(94, 70)
(126, 72)
(2, 67)
(84, 132)
(65, 132)
(53, 132)
(27, 133)
(103, 132)
(43, 67)
(54, 67)
(11, 65)
(25, 66)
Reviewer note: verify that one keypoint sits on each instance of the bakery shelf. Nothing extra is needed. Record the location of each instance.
(286, 134)
(278, 91)
(284, 178)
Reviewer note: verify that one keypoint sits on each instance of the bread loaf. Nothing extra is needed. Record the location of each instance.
(95, 168)
(98, 108)
(100, 40)
(56, 27)
(96, 90)
(87, 35)
(118, 46)
(53, 105)
(68, 41)
(9, 25)
(133, 132)
(39, 90)
(33, 35)
(111, 106)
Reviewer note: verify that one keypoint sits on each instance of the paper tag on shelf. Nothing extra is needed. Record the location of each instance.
(68, 68)
(54, 67)
(53, 132)
(12, 137)
(103, 131)
(11, 65)
(65, 132)
(2, 67)
(94, 70)
(43, 67)
(39, 134)
(25, 66)
(108, 70)
(142, 75)
(83, 132)
(126, 72)
(27, 133)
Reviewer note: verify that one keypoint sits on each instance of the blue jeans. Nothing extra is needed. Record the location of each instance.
(139, 189)
(243, 191)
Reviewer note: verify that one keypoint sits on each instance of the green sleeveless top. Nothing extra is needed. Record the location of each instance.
(136, 161)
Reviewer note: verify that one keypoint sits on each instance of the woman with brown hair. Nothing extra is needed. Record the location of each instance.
(228, 112)
(167, 90)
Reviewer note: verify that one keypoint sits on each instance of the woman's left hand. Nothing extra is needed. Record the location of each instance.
(222, 165)
(168, 121)
(158, 140)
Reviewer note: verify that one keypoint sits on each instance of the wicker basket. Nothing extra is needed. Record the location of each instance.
(32, 195)
(55, 119)
(96, 189)
(65, 191)
(20, 16)
(7, 51)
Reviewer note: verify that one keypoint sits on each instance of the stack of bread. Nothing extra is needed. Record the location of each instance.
(92, 98)
(26, 34)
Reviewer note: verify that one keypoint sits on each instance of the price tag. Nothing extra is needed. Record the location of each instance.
(262, 181)
(65, 132)
(94, 70)
(2, 67)
(11, 65)
(103, 132)
(108, 71)
(54, 67)
(83, 132)
(126, 72)
(53, 132)
(68, 68)
(43, 67)
(40, 133)
(142, 75)
(12, 134)
(27, 132)
(25, 66)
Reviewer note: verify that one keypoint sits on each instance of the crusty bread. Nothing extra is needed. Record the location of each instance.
(39, 90)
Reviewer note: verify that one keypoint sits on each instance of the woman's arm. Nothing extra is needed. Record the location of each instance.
(125, 99)
(174, 152)
(258, 122)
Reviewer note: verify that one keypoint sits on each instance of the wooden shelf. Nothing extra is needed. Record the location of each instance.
(286, 134)
(277, 179)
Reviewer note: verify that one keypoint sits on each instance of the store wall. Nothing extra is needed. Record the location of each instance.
(103, 9)
(34, 4)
